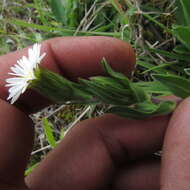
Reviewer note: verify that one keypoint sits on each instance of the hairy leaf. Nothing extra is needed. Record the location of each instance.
(142, 110)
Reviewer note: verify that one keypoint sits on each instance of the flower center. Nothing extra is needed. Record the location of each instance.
(30, 75)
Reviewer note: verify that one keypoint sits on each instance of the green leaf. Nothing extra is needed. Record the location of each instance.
(112, 85)
(49, 133)
(151, 109)
(162, 108)
(106, 94)
(58, 9)
(144, 109)
(139, 93)
(179, 86)
(150, 66)
(183, 12)
(181, 49)
(119, 76)
(126, 112)
(38, 6)
(165, 107)
(66, 31)
(154, 87)
(170, 54)
(157, 67)
(65, 11)
(30, 169)
(182, 34)
(106, 81)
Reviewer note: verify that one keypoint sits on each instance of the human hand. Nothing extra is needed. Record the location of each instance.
(108, 152)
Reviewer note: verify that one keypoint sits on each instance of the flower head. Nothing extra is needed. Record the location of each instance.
(24, 72)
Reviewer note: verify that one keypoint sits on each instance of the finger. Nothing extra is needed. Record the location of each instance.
(72, 57)
(89, 155)
(16, 139)
(143, 175)
(176, 155)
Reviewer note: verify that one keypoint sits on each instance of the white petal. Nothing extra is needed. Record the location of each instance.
(23, 72)
(17, 70)
(15, 80)
(41, 57)
(18, 75)
(14, 84)
(30, 54)
(17, 88)
(24, 89)
(15, 97)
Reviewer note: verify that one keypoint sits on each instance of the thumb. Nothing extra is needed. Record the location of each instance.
(175, 169)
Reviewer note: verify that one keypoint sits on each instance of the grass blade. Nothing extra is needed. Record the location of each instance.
(49, 133)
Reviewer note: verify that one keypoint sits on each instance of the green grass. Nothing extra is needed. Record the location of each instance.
(147, 26)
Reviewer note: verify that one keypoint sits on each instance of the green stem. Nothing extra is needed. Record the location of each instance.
(58, 88)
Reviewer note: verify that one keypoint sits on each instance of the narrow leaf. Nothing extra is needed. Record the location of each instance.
(106, 95)
(49, 133)
(183, 12)
(58, 9)
(157, 67)
(170, 54)
(139, 93)
(126, 112)
(179, 86)
(30, 169)
(154, 87)
(165, 107)
(149, 66)
(119, 76)
(182, 34)
(181, 49)
(142, 110)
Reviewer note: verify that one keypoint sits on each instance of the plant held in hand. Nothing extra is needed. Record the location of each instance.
(122, 97)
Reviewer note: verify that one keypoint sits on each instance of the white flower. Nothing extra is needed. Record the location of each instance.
(24, 72)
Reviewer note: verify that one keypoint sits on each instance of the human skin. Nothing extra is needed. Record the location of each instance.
(107, 152)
